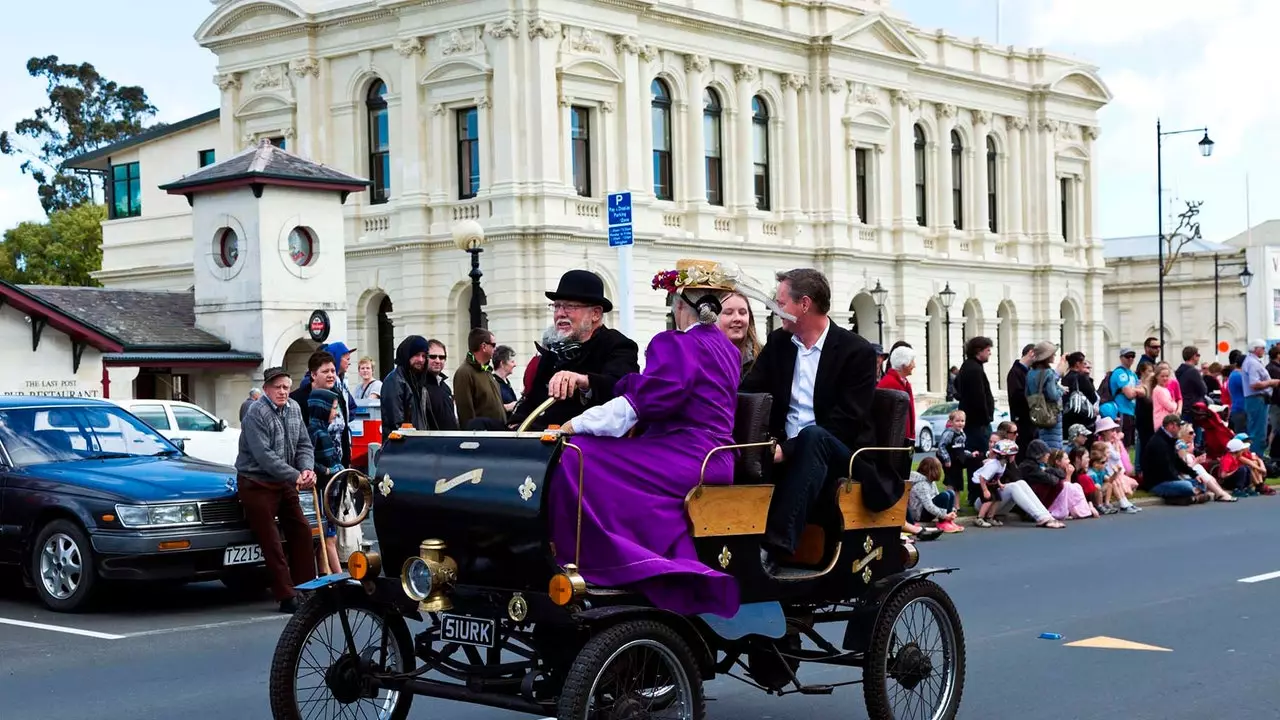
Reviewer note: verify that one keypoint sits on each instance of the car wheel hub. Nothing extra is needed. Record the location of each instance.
(343, 679)
(911, 666)
(60, 566)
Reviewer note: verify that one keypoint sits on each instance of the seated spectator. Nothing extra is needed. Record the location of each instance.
(926, 500)
(1080, 475)
(1118, 464)
(1235, 474)
(1186, 440)
(1257, 468)
(1165, 473)
(1077, 436)
(1034, 470)
(1103, 477)
(1010, 492)
(1070, 504)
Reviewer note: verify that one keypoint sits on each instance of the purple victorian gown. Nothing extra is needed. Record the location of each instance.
(635, 533)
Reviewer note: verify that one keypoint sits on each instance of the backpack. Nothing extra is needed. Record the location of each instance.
(1077, 404)
(1044, 414)
(1104, 391)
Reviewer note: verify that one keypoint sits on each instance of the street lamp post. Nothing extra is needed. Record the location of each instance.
(1206, 149)
(947, 296)
(468, 235)
(879, 294)
(1245, 276)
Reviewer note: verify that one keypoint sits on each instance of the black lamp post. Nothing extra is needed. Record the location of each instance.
(1245, 276)
(947, 296)
(469, 237)
(1206, 149)
(879, 294)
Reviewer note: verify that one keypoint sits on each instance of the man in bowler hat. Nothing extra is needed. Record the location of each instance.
(585, 360)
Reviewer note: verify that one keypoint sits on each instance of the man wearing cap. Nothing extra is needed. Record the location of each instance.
(275, 461)
(580, 368)
(1257, 384)
(1124, 392)
(1164, 473)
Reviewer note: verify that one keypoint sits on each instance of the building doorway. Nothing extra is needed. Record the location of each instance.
(386, 339)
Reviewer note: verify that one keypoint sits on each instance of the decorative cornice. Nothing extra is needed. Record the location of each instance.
(606, 106)
(543, 28)
(946, 110)
(795, 81)
(304, 66)
(1048, 125)
(863, 93)
(625, 44)
(227, 81)
(828, 84)
(696, 63)
(410, 46)
(648, 53)
(1015, 122)
(905, 98)
(508, 28)
(981, 117)
(745, 73)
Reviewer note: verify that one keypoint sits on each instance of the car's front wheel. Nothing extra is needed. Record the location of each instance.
(62, 566)
(924, 442)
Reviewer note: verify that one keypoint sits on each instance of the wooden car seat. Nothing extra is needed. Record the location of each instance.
(741, 508)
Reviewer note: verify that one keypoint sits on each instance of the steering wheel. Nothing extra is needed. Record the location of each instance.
(537, 413)
(363, 485)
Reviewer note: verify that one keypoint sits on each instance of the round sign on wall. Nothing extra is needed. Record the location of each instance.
(1224, 346)
(318, 326)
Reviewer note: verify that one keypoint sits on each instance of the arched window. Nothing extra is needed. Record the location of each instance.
(660, 108)
(957, 180)
(922, 215)
(760, 150)
(379, 143)
(711, 137)
(992, 206)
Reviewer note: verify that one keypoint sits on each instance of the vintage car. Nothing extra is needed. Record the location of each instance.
(91, 494)
(463, 554)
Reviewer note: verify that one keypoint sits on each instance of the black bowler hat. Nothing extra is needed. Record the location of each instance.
(582, 286)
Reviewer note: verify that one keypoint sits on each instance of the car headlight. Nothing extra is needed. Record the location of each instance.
(151, 516)
(416, 577)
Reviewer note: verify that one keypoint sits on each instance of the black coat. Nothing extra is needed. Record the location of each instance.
(842, 393)
(604, 359)
(1161, 462)
(1016, 384)
(1191, 383)
(973, 390)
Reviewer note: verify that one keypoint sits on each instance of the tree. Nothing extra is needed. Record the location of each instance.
(85, 112)
(62, 251)
(1188, 229)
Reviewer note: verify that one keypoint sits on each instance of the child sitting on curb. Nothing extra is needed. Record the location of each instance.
(988, 477)
(952, 453)
(1079, 458)
(1258, 469)
(926, 500)
(1186, 440)
(1070, 503)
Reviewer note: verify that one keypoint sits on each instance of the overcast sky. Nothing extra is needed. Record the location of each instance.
(1189, 62)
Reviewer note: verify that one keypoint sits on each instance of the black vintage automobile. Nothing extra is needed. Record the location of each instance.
(463, 554)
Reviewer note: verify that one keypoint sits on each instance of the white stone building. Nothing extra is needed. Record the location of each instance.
(832, 134)
(1132, 309)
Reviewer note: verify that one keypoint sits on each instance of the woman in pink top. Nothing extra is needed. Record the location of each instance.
(1162, 400)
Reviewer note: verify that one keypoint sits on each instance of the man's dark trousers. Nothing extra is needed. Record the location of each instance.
(816, 459)
(263, 502)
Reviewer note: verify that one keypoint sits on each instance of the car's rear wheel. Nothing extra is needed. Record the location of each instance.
(915, 665)
(637, 669)
(62, 566)
(925, 440)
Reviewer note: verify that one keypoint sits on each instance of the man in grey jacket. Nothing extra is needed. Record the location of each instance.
(275, 462)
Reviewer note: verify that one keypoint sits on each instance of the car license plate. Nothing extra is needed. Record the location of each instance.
(467, 630)
(242, 554)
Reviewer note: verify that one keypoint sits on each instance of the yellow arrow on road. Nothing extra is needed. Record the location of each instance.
(1103, 642)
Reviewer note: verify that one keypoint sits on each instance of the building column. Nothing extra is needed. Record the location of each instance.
(944, 218)
(849, 147)
(307, 72)
(641, 94)
(633, 115)
(904, 107)
(1015, 213)
(744, 160)
(611, 170)
(791, 85)
(484, 130)
(695, 190)
(542, 118)
(1090, 227)
(831, 189)
(981, 216)
(229, 85)
(1046, 168)
(438, 155)
(504, 135)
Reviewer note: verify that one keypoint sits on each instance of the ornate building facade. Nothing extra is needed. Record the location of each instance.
(833, 134)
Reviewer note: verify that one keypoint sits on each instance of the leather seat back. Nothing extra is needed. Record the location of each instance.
(889, 412)
(751, 425)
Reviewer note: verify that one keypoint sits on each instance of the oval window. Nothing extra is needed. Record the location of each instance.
(228, 248)
(302, 247)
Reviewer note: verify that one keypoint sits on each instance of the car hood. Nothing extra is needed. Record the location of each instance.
(142, 479)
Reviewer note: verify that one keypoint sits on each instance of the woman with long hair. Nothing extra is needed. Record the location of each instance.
(739, 323)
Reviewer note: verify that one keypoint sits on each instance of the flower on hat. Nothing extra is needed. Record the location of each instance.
(673, 280)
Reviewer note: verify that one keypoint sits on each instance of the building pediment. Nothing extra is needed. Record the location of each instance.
(245, 16)
(878, 35)
(1082, 84)
(589, 69)
(455, 70)
(266, 104)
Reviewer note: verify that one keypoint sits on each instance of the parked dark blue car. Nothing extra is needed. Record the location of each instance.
(91, 493)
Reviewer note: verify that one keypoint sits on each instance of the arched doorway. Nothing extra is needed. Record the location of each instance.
(386, 330)
(1006, 339)
(295, 358)
(863, 319)
(1069, 333)
(935, 350)
(972, 326)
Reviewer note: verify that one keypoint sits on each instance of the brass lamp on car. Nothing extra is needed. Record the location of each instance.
(567, 585)
(429, 577)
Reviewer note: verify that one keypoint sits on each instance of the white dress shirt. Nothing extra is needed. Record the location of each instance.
(800, 413)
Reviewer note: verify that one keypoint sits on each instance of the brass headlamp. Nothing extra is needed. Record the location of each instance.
(429, 577)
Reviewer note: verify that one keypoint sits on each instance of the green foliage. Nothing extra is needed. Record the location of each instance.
(62, 251)
(85, 112)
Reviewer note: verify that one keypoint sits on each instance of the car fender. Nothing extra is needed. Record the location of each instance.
(857, 635)
(383, 591)
(597, 619)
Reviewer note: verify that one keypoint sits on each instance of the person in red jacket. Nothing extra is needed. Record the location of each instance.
(902, 362)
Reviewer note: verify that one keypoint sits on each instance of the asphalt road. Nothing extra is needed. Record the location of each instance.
(1168, 577)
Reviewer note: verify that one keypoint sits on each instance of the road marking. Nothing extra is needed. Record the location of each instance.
(1109, 643)
(1260, 578)
(61, 629)
(205, 626)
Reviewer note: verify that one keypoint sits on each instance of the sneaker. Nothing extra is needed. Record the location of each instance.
(1131, 510)
(947, 526)
(1267, 490)
(982, 523)
(1109, 509)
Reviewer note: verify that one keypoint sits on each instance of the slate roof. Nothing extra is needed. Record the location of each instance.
(139, 319)
(265, 162)
(1136, 246)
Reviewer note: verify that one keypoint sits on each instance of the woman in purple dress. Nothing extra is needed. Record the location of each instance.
(634, 529)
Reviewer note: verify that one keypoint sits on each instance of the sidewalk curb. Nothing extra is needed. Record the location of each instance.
(967, 520)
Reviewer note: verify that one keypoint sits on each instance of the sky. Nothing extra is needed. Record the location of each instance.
(1189, 63)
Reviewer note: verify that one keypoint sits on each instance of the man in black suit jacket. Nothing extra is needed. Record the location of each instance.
(833, 375)
(1019, 407)
(582, 366)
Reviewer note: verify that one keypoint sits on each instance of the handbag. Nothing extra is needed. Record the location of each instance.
(349, 539)
(1079, 405)
(1044, 414)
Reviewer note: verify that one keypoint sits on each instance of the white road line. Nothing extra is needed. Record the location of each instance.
(1260, 578)
(61, 629)
(206, 626)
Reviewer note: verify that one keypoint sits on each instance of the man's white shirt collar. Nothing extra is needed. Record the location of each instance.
(822, 340)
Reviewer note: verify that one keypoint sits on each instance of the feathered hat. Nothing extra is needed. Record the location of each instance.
(692, 274)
